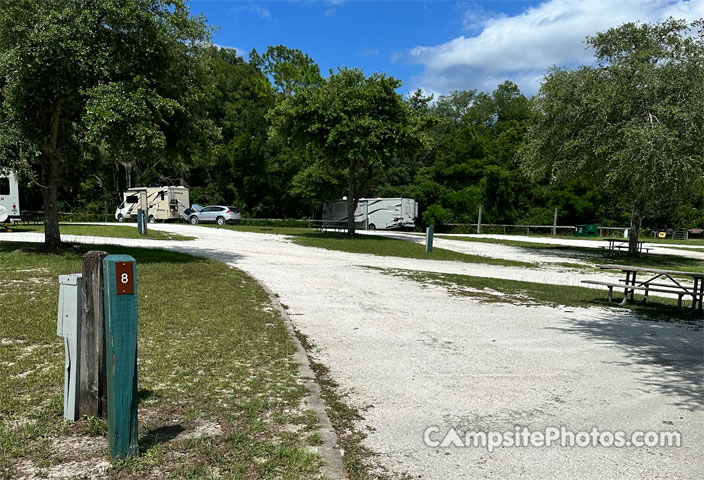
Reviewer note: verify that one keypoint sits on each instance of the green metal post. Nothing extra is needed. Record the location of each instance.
(120, 290)
(429, 239)
(139, 221)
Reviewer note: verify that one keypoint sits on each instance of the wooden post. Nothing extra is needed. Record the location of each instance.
(554, 223)
(479, 221)
(120, 290)
(92, 384)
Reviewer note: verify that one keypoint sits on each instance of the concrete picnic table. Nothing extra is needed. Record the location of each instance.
(675, 286)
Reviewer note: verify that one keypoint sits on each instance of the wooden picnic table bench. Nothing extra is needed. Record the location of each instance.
(675, 286)
(324, 225)
(618, 244)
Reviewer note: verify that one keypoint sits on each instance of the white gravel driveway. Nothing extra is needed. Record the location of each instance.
(411, 356)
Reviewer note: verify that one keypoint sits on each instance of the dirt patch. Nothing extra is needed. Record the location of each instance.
(79, 446)
(87, 469)
(201, 428)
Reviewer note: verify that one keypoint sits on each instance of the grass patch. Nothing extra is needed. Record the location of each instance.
(599, 256)
(495, 290)
(114, 231)
(390, 247)
(214, 358)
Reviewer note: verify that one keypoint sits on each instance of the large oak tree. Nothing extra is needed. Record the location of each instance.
(632, 122)
(351, 124)
(124, 76)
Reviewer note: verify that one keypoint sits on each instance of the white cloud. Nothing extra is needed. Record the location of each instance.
(522, 47)
(240, 51)
(252, 9)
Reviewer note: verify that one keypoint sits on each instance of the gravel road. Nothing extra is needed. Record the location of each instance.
(412, 356)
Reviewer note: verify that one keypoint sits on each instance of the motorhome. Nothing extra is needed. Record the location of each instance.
(9, 198)
(374, 213)
(164, 203)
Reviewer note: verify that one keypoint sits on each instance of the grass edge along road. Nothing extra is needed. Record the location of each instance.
(517, 292)
(596, 255)
(217, 385)
(112, 231)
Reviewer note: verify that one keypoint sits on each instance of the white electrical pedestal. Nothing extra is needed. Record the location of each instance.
(68, 326)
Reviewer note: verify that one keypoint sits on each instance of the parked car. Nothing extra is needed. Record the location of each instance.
(214, 214)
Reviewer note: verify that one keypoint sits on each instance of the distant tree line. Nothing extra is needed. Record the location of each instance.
(134, 92)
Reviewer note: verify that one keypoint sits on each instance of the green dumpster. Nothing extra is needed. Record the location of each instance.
(590, 230)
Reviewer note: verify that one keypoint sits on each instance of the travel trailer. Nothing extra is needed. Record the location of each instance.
(164, 203)
(9, 198)
(375, 213)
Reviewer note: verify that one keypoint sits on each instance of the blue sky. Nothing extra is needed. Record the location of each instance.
(438, 46)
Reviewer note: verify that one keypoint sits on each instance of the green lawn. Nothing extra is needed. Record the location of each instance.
(377, 245)
(114, 231)
(214, 357)
(598, 256)
(495, 290)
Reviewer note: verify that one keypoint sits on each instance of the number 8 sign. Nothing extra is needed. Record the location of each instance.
(124, 282)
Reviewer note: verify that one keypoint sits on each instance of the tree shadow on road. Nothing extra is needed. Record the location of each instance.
(668, 356)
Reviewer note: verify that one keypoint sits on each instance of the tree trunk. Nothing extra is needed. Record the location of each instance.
(351, 196)
(634, 234)
(50, 179)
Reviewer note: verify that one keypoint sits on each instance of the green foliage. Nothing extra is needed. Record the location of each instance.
(434, 215)
(635, 120)
(350, 123)
(289, 69)
(119, 81)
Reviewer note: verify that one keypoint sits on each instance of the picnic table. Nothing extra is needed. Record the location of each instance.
(659, 281)
(619, 244)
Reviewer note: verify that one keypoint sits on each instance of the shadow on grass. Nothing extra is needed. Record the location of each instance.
(652, 260)
(141, 255)
(669, 357)
(160, 435)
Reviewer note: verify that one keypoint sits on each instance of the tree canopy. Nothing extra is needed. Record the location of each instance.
(121, 77)
(634, 120)
(350, 123)
(100, 96)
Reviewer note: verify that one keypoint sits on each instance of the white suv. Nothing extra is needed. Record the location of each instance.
(214, 213)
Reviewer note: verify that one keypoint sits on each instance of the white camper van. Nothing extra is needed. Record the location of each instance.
(375, 213)
(9, 198)
(164, 203)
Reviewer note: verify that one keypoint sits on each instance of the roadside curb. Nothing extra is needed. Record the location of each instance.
(334, 468)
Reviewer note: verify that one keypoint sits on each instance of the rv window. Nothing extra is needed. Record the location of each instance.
(132, 199)
(4, 186)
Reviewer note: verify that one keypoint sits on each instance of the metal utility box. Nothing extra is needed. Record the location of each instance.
(590, 230)
(69, 327)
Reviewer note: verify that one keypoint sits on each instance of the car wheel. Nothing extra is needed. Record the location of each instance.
(120, 218)
(220, 221)
(193, 220)
(152, 219)
(372, 226)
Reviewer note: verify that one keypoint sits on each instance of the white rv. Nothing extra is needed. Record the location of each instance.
(164, 203)
(375, 213)
(9, 198)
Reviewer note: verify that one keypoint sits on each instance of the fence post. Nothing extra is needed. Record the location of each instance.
(120, 290)
(554, 223)
(479, 221)
(92, 384)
